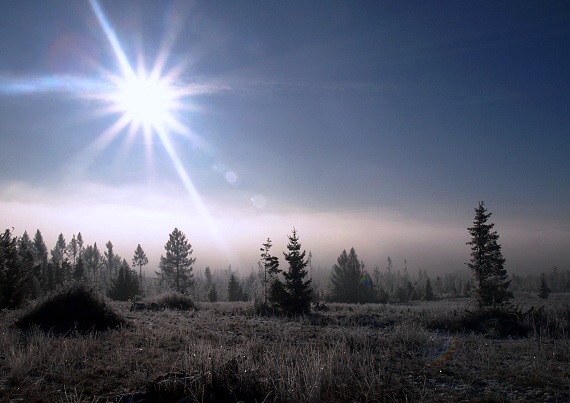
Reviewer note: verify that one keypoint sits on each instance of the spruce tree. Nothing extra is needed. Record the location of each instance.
(140, 259)
(73, 250)
(345, 280)
(298, 291)
(110, 259)
(490, 279)
(428, 294)
(213, 294)
(93, 261)
(126, 285)
(80, 247)
(14, 274)
(366, 287)
(208, 275)
(59, 252)
(176, 267)
(543, 290)
(79, 270)
(278, 295)
(270, 266)
(382, 295)
(235, 290)
(26, 251)
(40, 258)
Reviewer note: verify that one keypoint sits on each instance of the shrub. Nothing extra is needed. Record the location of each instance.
(175, 300)
(74, 309)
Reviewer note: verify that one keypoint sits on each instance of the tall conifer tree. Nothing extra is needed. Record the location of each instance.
(298, 290)
(235, 290)
(140, 259)
(490, 278)
(14, 274)
(345, 279)
(41, 258)
(270, 266)
(110, 258)
(176, 267)
(126, 285)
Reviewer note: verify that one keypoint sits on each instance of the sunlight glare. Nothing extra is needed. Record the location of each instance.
(151, 101)
(145, 101)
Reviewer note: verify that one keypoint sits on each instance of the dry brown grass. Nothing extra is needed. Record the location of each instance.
(225, 352)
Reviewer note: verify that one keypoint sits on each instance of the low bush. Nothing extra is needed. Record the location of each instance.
(76, 309)
(175, 300)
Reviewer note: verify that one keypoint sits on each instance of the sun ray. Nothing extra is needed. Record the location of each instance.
(109, 32)
(148, 103)
(191, 189)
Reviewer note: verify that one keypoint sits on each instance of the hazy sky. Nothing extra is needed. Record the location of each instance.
(377, 125)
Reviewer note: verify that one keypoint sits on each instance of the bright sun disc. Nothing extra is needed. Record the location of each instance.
(145, 101)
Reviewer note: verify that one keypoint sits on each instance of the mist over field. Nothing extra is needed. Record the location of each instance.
(434, 242)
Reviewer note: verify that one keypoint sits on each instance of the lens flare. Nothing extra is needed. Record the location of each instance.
(446, 351)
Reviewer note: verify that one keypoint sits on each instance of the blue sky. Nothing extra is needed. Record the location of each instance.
(377, 125)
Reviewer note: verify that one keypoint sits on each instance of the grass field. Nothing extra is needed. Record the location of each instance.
(226, 352)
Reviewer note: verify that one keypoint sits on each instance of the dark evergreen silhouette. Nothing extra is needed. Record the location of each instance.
(382, 295)
(490, 278)
(58, 271)
(59, 252)
(41, 258)
(14, 273)
(79, 270)
(213, 294)
(126, 285)
(297, 297)
(270, 266)
(428, 293)
(73, 250)
(26, 248)
(140, 259)
(348, 282)
(403, 292)
(176, 267)
(93, 262)
(208, 276)
(543, 290)
(58, 257)
(80, 245)
(26, 251)
(278, 295)
(110, 259)
(49, 280)
(235, 290)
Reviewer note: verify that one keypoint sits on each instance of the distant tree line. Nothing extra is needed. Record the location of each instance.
(28, 269)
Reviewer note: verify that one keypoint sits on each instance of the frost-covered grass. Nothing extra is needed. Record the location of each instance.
(225, 352)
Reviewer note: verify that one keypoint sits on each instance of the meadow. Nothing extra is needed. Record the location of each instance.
(228, 352)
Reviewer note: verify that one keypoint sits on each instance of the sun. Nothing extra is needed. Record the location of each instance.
(148, 102)
(145, 101)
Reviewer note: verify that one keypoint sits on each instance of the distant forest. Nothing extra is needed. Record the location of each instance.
(29, 270)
